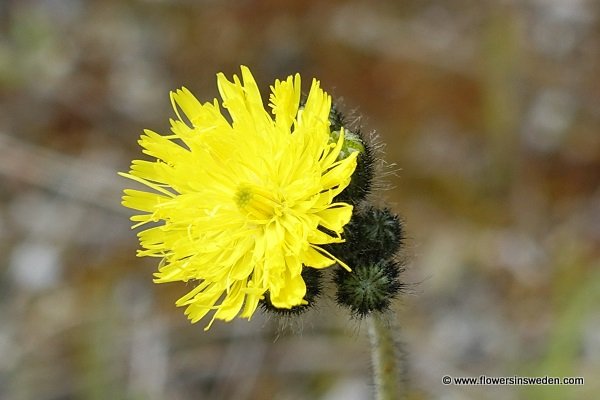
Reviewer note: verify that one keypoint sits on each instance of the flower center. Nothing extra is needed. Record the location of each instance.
(258, 202)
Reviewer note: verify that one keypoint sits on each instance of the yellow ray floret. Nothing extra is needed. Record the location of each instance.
(239, 205)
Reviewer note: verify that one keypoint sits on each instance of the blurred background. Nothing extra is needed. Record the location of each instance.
(490, 112)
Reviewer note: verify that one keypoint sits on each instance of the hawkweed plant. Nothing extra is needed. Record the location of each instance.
(251, 206)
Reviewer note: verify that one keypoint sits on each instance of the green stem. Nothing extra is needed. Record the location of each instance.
(386, 364)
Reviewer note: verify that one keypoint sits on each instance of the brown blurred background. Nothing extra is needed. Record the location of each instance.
(490, 112)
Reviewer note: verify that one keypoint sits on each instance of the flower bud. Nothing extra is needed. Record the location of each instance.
(354, 141)
(371, 235)
(369, 287)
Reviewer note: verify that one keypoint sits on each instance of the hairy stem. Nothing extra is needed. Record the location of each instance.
(386, 364)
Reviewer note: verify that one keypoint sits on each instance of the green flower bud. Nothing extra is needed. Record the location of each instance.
(354, 141)
(368, 288)
(371, 235)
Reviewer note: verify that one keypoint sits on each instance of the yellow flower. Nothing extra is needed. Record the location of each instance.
(240, 206)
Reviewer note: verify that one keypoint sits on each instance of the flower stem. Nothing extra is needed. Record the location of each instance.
(386, 368)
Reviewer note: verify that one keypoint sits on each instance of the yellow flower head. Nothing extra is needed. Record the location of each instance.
(240, 206)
